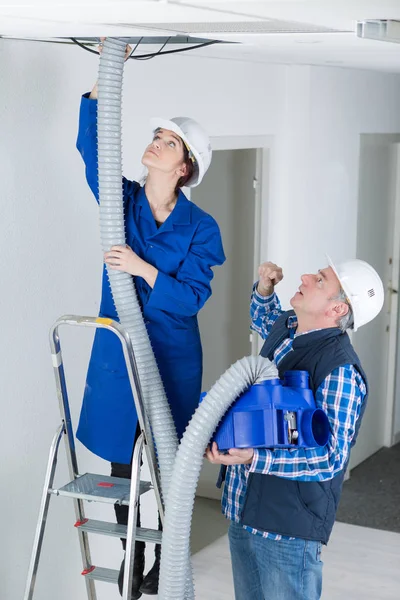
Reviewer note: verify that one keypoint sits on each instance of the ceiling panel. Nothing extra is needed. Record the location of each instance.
(339, 14)
(256, 26)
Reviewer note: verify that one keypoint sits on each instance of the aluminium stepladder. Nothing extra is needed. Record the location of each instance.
(97, 488)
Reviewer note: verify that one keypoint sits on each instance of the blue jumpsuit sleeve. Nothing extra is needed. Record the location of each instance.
(87, 146)
(87, 141)
(186, 292)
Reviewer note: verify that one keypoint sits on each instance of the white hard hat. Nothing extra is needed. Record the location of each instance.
(196, 140)
(363, 288)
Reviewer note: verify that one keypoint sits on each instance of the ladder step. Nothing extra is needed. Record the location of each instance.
(100, 488)
(114, 529)
(101, 574)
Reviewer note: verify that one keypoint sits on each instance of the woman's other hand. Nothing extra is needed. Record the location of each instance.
(94, 93)
(123, 258)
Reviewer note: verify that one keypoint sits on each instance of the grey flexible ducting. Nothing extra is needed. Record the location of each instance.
(178, 514)
(112, 232)
(178, 477)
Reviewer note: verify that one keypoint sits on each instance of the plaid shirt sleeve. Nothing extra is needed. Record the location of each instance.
(341, 396)
(264, 311)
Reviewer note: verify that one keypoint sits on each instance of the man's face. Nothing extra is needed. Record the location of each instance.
(316, 293)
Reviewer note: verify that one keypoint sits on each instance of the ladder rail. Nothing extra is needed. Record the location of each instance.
(72, 461)
(42, 519)
(43, 511)
(130, 361)
(145, 441)
(132, 518)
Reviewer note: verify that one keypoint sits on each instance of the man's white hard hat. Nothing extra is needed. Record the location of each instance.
(195, 139)
(363, 288)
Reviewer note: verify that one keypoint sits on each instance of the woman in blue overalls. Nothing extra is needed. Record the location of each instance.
(171, 247)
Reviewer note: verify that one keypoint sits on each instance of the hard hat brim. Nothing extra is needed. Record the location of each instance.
(160, 123)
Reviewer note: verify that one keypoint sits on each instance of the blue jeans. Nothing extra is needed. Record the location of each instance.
(266, 569)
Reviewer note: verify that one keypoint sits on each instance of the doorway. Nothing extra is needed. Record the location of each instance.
(231, 193)
(376, 243)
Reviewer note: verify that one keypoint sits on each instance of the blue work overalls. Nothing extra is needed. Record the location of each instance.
(183, 249)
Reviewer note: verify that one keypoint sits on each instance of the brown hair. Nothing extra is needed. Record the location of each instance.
(190, 168)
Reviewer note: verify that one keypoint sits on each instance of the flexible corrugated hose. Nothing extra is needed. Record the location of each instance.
(178, 511)
(112, 231)
(179, 470)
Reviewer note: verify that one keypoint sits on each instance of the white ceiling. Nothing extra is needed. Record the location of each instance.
(221, 19)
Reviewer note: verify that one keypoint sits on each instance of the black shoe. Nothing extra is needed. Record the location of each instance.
(138, 568)
(150, 583)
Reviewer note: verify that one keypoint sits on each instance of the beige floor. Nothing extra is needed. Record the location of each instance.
(208, 524)
(359, 564)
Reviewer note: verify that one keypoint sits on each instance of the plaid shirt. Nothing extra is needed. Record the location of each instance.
(340, 395)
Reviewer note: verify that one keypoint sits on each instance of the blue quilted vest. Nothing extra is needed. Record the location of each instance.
(301, 509)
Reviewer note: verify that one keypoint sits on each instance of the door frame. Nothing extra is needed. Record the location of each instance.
(264, 146)
(393, 295)
(264, 156)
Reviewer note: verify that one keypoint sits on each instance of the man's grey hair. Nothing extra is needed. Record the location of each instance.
(346, 322)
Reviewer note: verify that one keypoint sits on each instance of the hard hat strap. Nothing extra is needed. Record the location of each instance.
(191, 155)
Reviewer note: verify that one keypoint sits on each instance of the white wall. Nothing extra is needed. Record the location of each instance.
(51, 260)
(314, 193)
